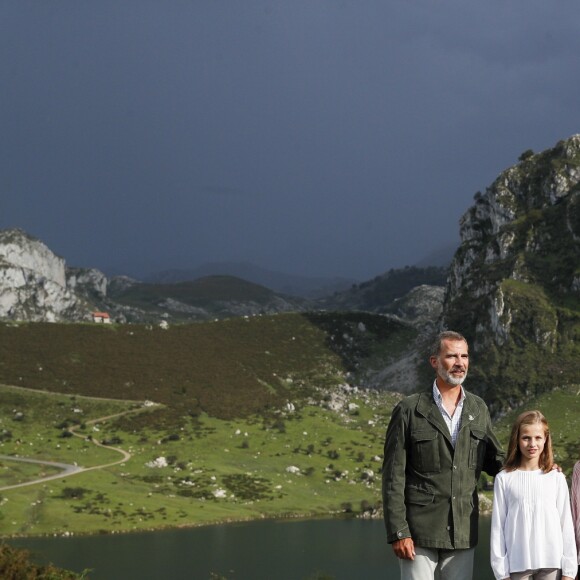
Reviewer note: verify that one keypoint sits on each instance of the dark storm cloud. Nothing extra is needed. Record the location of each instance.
(325, 138)
(220, 190)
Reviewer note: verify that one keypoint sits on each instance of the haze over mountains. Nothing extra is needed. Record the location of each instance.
(292, 284)
(283, 282)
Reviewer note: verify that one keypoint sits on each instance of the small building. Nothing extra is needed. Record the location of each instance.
(101, 317)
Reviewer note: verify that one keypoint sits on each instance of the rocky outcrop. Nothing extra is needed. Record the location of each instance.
(422, 307)
(33, 282)
(390, 291)
(513, 283)
(88, 282)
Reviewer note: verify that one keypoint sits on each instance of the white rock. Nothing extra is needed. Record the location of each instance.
(157, 463)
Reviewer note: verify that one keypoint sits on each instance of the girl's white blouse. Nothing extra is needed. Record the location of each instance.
(531, 523)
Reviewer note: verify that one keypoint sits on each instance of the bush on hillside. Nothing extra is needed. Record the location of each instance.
(15, 565)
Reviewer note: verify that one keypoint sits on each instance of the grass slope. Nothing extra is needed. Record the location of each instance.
(225, 369)
(225, 431)
(309, 461)
(208, 297)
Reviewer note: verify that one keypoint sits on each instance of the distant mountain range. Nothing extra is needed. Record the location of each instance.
(311, 287)
(290, 284)
(37, 285)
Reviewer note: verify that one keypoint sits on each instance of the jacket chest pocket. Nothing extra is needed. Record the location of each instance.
(425, 451)
(477, 447)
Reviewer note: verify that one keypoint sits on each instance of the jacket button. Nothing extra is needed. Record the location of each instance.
(399, 534)
(448, 528)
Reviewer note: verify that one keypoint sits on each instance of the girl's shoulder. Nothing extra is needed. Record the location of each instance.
(505, 474)
(556, 475)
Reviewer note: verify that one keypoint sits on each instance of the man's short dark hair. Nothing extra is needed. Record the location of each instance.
(445, 335)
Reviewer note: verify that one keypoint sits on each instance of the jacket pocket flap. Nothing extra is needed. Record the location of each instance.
(419, 496)
(478, 434)
(424, 435)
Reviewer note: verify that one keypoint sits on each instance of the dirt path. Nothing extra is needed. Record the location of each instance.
(68, 469)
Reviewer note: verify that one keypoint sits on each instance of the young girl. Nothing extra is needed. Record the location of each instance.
(532, 535)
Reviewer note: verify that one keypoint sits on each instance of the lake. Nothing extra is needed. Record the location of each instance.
(264, 550)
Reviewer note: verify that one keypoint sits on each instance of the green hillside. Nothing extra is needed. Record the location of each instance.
(196, 293)
(312, 461)
(380, 293)
(255, 419)
(211, 296)
(225, 369)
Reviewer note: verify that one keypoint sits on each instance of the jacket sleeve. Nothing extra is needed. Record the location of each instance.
(393, 479)
(494, 455)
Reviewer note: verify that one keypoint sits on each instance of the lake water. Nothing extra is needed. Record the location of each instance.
(264, 550)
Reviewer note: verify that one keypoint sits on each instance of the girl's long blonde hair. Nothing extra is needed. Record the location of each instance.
(514, 455)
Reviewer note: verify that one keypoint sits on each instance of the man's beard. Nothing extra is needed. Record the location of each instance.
(449, 378)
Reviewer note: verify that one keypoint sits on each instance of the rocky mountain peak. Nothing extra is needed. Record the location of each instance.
(20, 250)
(511, 218)
(514, 281)
(36, 285)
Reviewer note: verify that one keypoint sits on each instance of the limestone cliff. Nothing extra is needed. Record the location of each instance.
(34, 282)
(513, 287)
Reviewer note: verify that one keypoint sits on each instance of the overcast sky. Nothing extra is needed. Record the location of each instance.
(316, 137)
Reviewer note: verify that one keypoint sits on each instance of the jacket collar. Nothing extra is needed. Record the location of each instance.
(470, 410)
(427, 407)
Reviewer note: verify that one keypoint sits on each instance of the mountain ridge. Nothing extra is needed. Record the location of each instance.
(37, 285)
(514, 282)
(288, 284)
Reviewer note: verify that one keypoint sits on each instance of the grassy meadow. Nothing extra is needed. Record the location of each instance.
(312, 461)
(253, 418)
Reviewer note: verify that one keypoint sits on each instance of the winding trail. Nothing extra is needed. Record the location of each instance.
(67, 468)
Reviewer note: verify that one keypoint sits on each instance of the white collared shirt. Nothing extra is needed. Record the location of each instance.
(453, 422)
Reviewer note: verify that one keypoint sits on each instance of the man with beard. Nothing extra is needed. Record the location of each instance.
(436, 446)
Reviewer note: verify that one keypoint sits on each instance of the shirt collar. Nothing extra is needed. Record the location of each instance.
(438, 397)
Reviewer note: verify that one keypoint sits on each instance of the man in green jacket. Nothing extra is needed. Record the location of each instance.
(437, 444)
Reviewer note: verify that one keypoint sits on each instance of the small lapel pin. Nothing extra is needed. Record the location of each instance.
(471, 417)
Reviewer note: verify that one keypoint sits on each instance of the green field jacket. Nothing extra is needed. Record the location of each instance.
(429, 488)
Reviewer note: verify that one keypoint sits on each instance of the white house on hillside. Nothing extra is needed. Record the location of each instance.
(101, 317)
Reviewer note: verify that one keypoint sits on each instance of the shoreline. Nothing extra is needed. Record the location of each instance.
(375, 515)
(296, 516)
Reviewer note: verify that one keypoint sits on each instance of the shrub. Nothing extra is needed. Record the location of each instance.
(73, 492)
(526, 154)
(15, 565)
